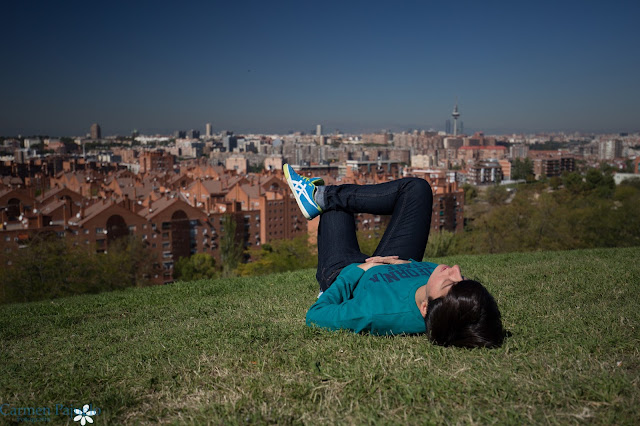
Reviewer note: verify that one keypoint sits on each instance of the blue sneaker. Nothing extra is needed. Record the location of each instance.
(303, 190)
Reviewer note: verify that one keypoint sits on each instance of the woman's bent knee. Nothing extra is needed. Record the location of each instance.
(418, 187)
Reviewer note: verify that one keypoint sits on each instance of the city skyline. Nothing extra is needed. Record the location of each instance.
(265, 68)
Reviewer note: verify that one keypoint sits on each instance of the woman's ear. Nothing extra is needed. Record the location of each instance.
(423, 308)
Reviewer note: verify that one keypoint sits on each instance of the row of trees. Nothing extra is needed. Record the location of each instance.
(278, 256)
(560, 214)
(52, 267)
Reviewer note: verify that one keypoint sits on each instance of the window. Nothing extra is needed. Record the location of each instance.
(132, 228)
(99, 231)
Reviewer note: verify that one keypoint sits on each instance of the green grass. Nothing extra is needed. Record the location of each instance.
(238, 351)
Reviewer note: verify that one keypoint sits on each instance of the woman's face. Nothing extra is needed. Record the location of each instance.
(442, 279)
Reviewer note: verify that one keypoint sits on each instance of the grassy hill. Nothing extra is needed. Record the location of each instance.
(238, 351)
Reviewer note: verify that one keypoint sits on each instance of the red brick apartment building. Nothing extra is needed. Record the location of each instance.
(448, 200)
(551, 163)
(155, 160)
(479, 153)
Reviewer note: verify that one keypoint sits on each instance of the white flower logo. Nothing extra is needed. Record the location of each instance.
(84, 416)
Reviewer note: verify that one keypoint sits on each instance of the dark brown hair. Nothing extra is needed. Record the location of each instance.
(468, 316)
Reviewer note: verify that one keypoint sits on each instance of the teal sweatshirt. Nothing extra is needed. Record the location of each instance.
(380, 300)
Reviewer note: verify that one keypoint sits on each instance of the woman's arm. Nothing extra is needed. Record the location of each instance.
(336, 309)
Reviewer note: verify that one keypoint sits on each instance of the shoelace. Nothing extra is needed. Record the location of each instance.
(301, 189)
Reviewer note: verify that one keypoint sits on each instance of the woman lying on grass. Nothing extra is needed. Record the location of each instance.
(392, 292)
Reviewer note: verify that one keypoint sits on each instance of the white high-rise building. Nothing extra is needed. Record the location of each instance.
(208, 130)
(319, 130)
(608, 150)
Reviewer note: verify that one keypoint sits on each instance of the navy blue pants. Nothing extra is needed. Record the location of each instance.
(408, 201)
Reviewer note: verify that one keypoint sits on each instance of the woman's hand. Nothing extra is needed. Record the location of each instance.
(386, 260)
(381, 260)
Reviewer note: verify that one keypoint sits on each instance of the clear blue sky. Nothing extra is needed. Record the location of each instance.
(274, 66)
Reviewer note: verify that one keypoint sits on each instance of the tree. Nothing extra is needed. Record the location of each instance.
(256, 168)
(50, 267)
(573, 183)
(280, 256)
(606, 167)
(127, 263)
(196, 267)
(497, 195)
(230, 245)
(470, 193)
(601, 184)
(555, 182)
(47, 267)
(634, 182)
(440, 244)
(522, 169)
(69, 144)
